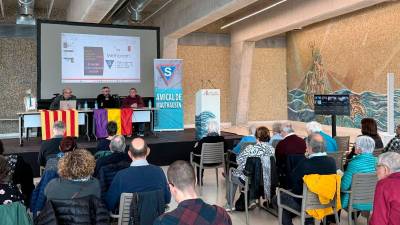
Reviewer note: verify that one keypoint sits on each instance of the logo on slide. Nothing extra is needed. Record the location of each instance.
(109, 63)
(167, 72)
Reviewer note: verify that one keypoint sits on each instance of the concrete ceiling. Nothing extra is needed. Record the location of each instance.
(94, 11)
(120, 13)
(40, 4)
(215, 26)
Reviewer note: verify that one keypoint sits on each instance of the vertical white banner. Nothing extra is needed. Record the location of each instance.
(390, 103)
(207, 108)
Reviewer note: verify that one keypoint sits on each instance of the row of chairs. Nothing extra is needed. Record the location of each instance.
(362, 192)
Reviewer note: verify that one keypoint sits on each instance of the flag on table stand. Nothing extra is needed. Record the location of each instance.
(101, 120)
(115, 115)
(123, 118)
(68, 117)
(126, 121)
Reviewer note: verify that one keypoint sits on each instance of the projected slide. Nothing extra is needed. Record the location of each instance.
(88, 58)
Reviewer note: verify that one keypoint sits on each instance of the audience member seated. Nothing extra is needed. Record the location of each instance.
(363, 162)
(315, 127)
(290, 145)
(213, 136)
(50, 148)
(387, 196)
(246, 139)
(191, 209)
(276, 134)
(38, 199)
(117, 148)
(139, 177)
(9, 193)
(394, 144)
(262, 150)
(67, 144)
(76, 181)
(317, 162)
(368, 128)
(103, 144)
(20, 174)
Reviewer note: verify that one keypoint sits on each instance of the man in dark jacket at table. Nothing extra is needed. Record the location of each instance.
(50, 148)
(66, 96)
(105, 99)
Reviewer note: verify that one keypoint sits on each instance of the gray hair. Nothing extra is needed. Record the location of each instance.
(117, 144)
(213, 127)
(252, 129)
(365, 143)
(287, 128)
(277, 127)
(313, 127)
(391, 160)
(316, 142)
(59, 127)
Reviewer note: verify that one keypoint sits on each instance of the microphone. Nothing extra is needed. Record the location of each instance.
(211, 83)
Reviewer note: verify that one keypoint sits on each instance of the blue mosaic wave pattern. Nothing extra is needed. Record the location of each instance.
(373, 103)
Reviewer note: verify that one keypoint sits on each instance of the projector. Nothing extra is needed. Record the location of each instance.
(26, 20)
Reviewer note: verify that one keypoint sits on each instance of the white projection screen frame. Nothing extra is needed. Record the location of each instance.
(49, 64)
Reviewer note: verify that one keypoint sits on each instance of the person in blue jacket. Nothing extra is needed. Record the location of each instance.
(248, 138)
(330, 143)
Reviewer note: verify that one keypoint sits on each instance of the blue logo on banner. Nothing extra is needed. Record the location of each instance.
(109, 63)
(168, 71)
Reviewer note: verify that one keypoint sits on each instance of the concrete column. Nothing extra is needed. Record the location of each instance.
(169, 48)
(241, 65)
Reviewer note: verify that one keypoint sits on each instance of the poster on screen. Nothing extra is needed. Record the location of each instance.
(88, 58)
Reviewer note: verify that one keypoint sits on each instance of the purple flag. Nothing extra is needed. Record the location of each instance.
(101, 120)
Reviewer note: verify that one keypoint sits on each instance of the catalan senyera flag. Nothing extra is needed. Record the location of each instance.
(123, 118)
(69, 117)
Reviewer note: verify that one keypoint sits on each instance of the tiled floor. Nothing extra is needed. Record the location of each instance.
(216, 195)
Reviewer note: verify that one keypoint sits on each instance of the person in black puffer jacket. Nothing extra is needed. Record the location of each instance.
(78, 211)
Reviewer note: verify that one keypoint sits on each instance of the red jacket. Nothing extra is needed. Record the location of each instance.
(128, 101)
(387, 201)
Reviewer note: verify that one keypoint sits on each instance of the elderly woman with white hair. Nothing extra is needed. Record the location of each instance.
(363, 162)
(315, 127)
(213, 136)
(387, 195)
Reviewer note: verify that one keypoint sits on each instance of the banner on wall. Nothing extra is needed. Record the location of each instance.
(168, 95)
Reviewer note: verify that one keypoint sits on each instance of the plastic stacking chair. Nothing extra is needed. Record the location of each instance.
(338, 156)
(309, 201)
(343, 143)
(212, 157)
(124, 209)
(362, 192)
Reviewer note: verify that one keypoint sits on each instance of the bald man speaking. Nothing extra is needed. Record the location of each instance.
(66, 96)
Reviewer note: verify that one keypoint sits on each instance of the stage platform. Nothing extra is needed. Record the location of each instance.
(166, 147)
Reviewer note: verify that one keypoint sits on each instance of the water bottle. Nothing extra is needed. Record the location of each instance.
(85, 105)
(95, 105)
(149, 104)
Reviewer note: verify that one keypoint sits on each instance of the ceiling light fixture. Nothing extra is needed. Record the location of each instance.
(253, 14)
